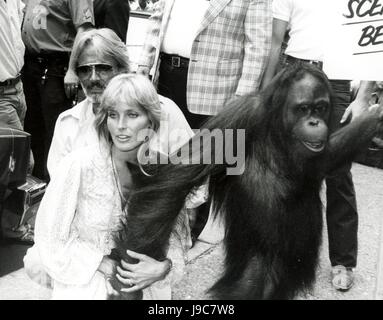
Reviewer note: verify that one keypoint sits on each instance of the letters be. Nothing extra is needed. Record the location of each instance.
(371, 36)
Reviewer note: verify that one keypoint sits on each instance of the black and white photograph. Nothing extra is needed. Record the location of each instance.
(191, 150)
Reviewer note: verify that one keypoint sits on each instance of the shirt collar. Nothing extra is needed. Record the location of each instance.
(81, 110)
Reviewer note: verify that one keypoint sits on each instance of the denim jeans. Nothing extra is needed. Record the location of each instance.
(12, 106)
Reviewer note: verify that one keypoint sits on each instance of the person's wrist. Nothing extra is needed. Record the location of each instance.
(362, 100)
(166, 267)
(107, 267)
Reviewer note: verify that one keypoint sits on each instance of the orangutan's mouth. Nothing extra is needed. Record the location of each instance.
(314, 146)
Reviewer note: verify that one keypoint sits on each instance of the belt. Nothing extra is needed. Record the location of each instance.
(48, 57)
(317, 63)
(10, 82)
(175, 61)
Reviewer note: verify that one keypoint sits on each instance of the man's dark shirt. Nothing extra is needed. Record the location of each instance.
(112, 14)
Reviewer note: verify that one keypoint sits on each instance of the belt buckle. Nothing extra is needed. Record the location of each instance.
(176, 62)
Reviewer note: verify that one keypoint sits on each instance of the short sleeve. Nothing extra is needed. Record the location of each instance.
(282, 9)
(81, 12)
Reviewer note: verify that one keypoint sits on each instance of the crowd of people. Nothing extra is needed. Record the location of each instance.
(95, 126)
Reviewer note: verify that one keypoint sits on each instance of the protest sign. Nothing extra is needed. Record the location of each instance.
(354, 49)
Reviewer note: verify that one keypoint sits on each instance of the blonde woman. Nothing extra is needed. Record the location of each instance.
(86, 201)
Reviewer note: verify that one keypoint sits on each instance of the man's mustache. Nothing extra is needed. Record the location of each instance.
(96, 86)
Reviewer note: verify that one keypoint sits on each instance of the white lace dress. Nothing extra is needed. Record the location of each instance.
(75, 227)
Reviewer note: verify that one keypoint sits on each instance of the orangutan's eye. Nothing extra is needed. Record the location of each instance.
(304, 108)
(320, 109)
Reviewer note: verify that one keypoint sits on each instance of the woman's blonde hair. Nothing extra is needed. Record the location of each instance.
(134, 90)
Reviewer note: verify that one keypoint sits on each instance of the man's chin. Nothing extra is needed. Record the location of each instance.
(94, 98)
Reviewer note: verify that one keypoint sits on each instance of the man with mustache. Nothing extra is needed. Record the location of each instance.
(94, 69)
(98, 55)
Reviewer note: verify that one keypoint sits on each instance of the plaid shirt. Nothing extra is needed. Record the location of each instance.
(228, 55)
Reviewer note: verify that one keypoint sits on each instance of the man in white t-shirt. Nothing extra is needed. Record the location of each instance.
(306, 22)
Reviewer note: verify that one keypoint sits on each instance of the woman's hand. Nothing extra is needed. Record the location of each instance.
(142, 274)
